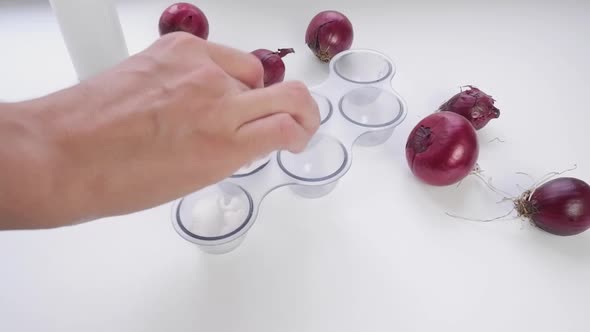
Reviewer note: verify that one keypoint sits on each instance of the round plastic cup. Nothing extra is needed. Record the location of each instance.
(314, 191)
(213, 214)
(324, 158)
(374, 67)
(374, 108)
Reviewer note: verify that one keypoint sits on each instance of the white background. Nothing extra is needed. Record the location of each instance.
(377, 254)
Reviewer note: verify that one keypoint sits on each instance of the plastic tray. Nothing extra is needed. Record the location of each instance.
(358, 106)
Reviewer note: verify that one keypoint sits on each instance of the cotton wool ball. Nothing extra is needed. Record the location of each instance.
(232, 220)
(207, 218)
(234, 213)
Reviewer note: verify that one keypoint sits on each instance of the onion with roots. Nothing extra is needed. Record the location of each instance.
(559, 206)
(442, 149)
(329, 33)
(272, 63)
(185, 17)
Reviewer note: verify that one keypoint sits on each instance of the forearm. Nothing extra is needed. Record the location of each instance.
(34, 192)
(24, 168)
(76, 155)
(73, 156)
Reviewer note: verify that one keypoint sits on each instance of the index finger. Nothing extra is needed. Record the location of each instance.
(290, 97)
(243, 66)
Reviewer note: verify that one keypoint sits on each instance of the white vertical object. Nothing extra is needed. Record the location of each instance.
(92, 33)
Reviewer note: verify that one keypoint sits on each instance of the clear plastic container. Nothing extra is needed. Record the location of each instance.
(357, 106)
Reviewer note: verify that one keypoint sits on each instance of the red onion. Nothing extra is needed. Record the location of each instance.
(185, 17)
(272, 62)
(329, 33)
(442, 149)
(560, 206)
(475, 105)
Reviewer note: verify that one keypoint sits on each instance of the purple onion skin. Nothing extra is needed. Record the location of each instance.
(475, 105)
(185, 17)
(442, 149)
(329, 33)
(272, 62)
(560, 206)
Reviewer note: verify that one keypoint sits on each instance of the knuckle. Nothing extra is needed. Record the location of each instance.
(316, 117)
(184, 38)
(312, 114)
(305, 105)
(211, 73)
(301, 97)
(287, 130)
(180, 40)
(297, 90)
(254, 68)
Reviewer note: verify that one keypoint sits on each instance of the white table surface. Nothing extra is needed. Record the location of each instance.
(377, 254)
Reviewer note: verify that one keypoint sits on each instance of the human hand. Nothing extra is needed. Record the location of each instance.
(181, 115)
